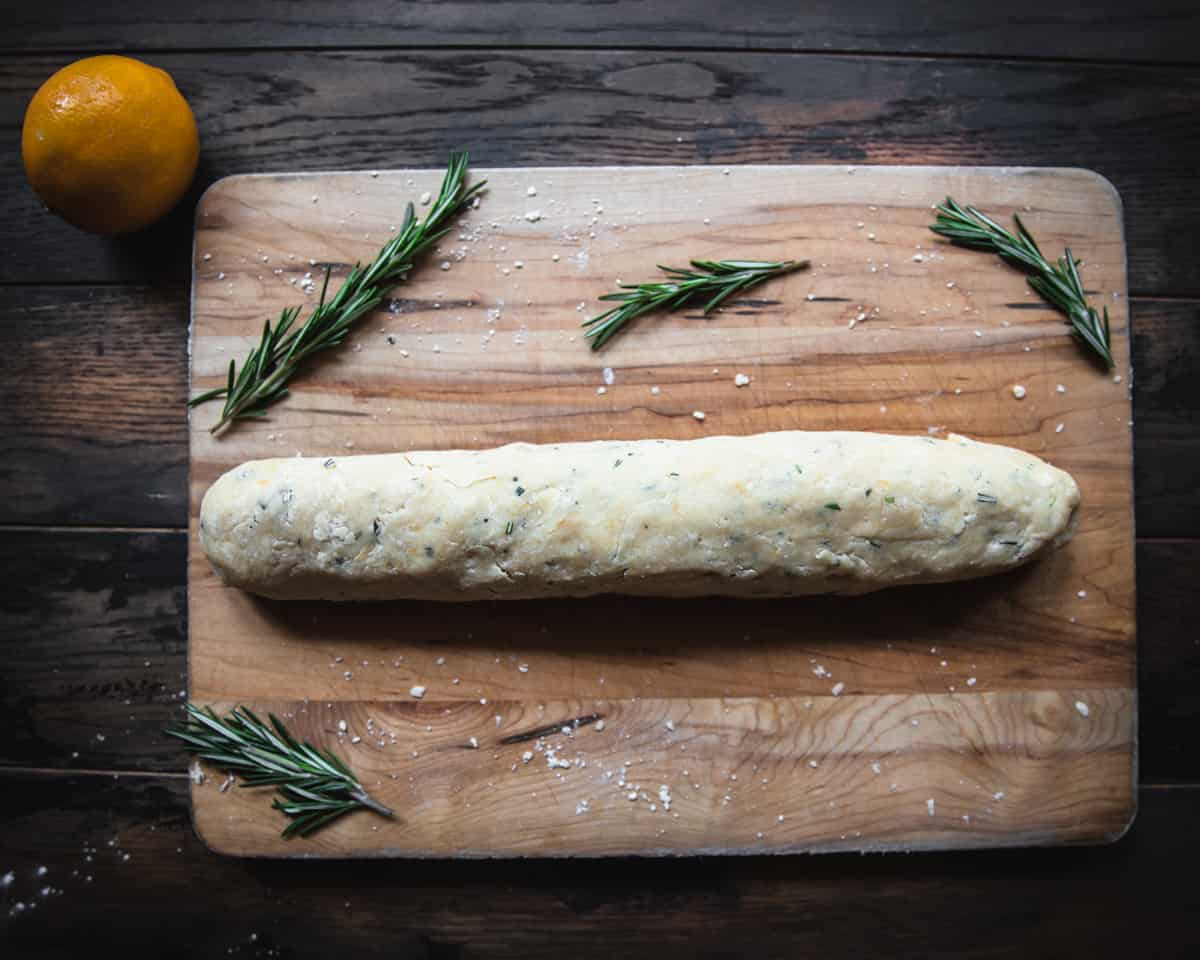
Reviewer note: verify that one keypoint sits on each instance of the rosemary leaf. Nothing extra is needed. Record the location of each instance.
(313, 787)
(270, 366)
(1058, 283)
(714, 280)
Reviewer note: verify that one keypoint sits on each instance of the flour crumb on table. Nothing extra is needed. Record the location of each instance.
(1082, 709)
(741, 380)
(416, 692)
(1018, 391)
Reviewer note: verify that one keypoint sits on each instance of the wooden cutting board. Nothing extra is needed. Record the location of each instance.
(998, 712)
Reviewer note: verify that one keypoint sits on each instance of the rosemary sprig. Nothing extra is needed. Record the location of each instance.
(1058, 283)
(269, 367)
(314, 787)
(715, 279)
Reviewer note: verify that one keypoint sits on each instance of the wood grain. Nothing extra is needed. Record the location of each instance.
(1158, 30)
(1166, 350)
(131, 837)
(304, 110)
(708, 776)
(1168, 659)
(487, 350)
(92, 423)
(94, 645)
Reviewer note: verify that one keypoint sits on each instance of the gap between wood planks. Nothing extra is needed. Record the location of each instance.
(832, 53)
(90, 772)
(84, 528)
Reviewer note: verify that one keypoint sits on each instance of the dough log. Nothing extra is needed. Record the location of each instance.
(777, 514)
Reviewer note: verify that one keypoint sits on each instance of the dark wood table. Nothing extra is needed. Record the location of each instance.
(93, 452)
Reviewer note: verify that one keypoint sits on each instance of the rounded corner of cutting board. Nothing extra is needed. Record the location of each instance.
(1131, 815)
(221, 844)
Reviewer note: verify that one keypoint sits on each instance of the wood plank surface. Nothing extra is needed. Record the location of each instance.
(94, 384)
(1166, 407)
(305, 110)
(111, 846)
(1158, 30)
(94, 634)
(902, 334)
(1168, 660)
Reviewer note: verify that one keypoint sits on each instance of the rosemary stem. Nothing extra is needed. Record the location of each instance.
(364, 798)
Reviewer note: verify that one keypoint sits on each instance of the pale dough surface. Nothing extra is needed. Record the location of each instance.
(776, 514)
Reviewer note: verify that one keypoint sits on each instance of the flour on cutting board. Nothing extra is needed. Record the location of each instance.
(479, 357)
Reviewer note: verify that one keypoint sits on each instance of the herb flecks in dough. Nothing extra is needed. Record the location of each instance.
(583, 528)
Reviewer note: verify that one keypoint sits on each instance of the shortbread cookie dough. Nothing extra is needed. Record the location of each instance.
(776, 514)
